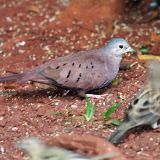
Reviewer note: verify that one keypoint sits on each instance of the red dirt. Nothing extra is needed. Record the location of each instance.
(30, 34)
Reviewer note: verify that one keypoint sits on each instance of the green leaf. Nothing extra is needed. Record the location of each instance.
(116, 122)
(90, 110)
(144, 49)
(108, 113)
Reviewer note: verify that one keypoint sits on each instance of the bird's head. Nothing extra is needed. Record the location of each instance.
(118, 47)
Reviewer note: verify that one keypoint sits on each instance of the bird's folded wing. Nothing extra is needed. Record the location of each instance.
(86, 71)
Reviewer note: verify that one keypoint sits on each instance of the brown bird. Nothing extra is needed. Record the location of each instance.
(145, 107)
(82, 72)
(37, 150)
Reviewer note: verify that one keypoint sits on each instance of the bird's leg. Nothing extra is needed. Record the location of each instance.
(65, 92)
(97, 96)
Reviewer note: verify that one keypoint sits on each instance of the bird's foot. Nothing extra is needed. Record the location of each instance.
(65, 92)
(97, 96)
(156, 125)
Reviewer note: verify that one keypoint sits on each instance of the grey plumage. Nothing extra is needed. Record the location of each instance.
(37, 150)
(145, 108)
(82, 72)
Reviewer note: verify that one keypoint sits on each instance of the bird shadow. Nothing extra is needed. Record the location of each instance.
(44, 93)
(36, 94)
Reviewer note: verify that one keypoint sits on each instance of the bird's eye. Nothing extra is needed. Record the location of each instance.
(121, 46)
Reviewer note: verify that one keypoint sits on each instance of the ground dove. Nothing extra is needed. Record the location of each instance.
(82, 72)
(37, 150)
(145, 108)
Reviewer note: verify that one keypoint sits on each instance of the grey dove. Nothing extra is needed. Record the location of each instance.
(37, 150)
(82, 72)
(145, 107)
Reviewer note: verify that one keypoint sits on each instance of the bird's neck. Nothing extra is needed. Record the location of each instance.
(113, 63)
(112, 59)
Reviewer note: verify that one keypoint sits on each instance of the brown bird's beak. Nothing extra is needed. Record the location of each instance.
(130, 49)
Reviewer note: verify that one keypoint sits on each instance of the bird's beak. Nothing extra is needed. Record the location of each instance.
(130, 49)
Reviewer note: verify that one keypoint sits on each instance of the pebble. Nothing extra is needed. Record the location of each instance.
(73, 106)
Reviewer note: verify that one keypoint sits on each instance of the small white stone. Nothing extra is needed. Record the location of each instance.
(1, 118)
(73, 106)
(2, 150)
(22, 43)
(14, 129)
(151, 139)
(8, 19)
(52, 19)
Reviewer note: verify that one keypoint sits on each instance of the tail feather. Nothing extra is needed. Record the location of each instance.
(116, 137)
(24, 77)
(12, 78)
(19, 77)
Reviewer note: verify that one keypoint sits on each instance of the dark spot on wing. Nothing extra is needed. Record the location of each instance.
(64, 64)
(86, 67)
(158, 97)
(92, 65)
(57, 67)
(69, 73)
(143, 109)
(73, 64)
(135, 101)
(79, 65)
(146, 103)
(79, 77)
(130, 107)
(66, 81)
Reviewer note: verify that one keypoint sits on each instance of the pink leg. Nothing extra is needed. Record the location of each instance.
(97, 96)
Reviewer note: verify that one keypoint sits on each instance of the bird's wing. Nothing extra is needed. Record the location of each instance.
(155, 106)
(144, 107)
(84, 70)
(57, 153)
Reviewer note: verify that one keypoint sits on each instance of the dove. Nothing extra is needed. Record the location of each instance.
(80, 72)
(145, 107)
(37, 150)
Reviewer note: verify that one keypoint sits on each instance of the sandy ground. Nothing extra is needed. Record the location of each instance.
(30, 34)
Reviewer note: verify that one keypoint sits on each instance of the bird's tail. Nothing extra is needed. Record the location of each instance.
(17, 77)
(120, 131)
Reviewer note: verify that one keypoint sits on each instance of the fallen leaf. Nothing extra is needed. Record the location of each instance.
(155, 37)
(148, 57)
(34, 9)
